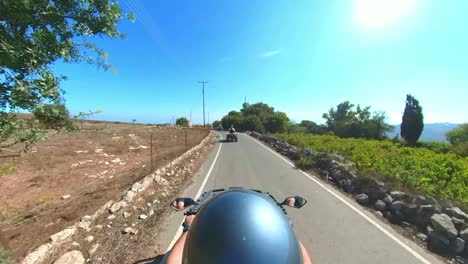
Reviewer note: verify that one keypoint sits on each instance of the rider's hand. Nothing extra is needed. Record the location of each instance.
(189, 220)
(291, 201)
(179, 205)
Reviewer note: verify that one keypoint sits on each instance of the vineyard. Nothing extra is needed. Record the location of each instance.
(437, 174)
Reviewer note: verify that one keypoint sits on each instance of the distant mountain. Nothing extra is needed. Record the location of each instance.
(431, 132)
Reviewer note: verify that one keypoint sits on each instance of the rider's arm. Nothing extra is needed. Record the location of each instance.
(305, 254)
(175, 255)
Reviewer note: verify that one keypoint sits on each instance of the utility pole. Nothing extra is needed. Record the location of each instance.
(208, 117)
(203, 91)
(245, 99)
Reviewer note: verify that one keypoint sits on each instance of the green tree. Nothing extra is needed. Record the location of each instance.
(232, 118)
(413, 121)
(458, 137)
(359, 123)
(277, 122)
(34, 35)
(261, 110)
(296, 128)
(339, 120)
(216, 123)
(458, 134)
(252, 123)
(182, 121)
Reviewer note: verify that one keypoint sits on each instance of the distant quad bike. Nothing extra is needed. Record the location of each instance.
(231, 137)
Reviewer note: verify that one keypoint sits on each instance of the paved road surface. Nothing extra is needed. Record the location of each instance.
(329, 227)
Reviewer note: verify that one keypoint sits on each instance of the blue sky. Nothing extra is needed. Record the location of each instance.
(302, 57)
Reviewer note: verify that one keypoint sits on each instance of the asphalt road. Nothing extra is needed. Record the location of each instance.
(333, 227)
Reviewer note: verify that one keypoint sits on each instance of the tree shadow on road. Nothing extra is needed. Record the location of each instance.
(156, 260)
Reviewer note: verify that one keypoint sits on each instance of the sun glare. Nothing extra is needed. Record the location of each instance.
(381, 13)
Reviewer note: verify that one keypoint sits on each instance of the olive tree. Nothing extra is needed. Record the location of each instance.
(33, 35)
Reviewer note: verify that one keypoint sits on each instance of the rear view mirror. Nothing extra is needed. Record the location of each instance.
(295, 201)
(182, 203)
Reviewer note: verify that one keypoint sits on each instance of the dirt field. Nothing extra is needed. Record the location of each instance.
(87, 168)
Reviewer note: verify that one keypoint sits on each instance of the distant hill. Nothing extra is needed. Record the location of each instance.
(431, 132)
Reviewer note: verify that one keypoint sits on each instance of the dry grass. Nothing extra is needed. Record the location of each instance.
(93, 165)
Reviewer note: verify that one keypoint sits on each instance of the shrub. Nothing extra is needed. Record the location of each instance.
(437, 174)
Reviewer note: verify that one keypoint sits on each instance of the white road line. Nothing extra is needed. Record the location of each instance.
(200, 190)
(338, 196)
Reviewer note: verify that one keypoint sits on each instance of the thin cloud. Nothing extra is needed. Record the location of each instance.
(269, 53)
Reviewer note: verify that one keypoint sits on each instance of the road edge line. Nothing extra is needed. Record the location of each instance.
(338, 196)
(179, 230)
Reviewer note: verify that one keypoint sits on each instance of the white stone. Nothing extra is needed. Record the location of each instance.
(126, 215)
(89, 238)
(75, 244)
(63, 235)
(117, 206)
(72, 257)
(66, 196)
(131, 231)
(160, 180)
(39, 255)
(129, 195)
(143, 216)
(111, 217)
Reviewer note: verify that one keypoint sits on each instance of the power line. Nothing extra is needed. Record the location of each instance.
(203, 91)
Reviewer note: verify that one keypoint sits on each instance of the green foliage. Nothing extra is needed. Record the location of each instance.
(460, 149)
(216, 123)
(182, 122)
(438, 147)
(296, 128)
(257, 117)
(33, 36)
(233, 118)
(412, 123)
(53, 116)
(252, 123)
(5, 257)
(86, 115)
(359, 123)
(438, 174)
(458, 135)
(276, 122)
(306, 163)
(313, 128)
(7, 169)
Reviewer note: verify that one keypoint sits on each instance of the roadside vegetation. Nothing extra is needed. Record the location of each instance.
(5, 257)
(34, 35)
(360, 135)
(438, 174)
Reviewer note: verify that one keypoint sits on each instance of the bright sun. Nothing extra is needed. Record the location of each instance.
(381, 13)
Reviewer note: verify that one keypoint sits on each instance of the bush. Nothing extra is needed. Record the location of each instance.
(437, 174)
(5, 257)
(438, 147)
(306, 163)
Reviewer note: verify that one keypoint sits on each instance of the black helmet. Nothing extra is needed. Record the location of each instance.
(241, 226)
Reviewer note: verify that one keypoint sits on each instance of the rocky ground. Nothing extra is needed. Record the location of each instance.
(125, 230)
(73, 174)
